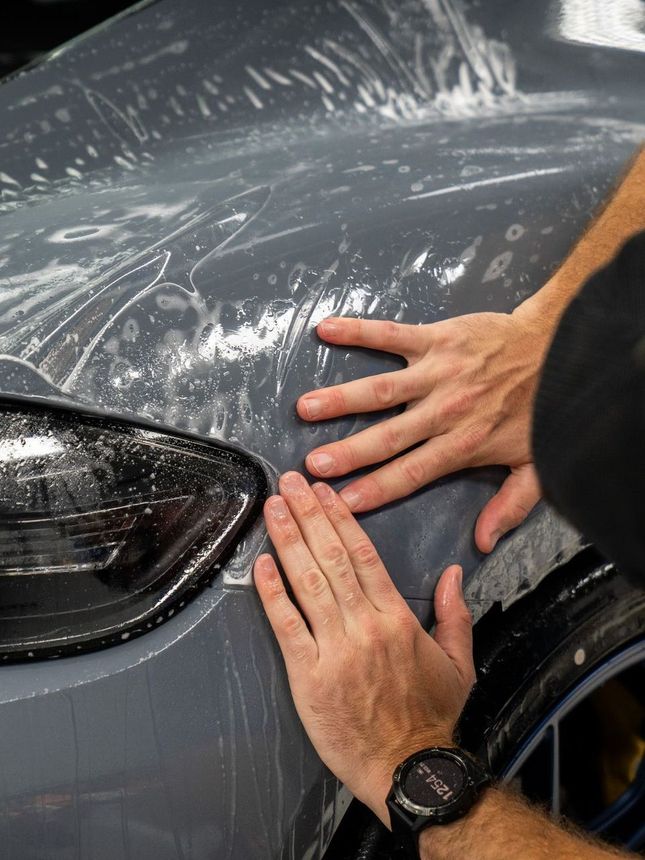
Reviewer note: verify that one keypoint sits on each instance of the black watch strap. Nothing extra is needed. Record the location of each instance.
(407, 822)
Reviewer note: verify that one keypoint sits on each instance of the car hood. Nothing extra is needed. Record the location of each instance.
(184, 198)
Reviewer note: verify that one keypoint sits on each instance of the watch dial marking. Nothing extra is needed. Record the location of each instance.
(434, 782)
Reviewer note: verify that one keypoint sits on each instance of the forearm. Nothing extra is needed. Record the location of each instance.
(502, 826)
(620, 219)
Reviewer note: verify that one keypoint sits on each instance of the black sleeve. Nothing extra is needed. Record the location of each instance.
(589, 418)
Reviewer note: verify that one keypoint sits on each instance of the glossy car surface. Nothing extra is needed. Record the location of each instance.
(184, 193)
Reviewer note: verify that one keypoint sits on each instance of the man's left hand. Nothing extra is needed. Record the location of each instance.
(370, 685)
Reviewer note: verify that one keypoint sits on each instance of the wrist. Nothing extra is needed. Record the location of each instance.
(542, 310)
(379, 781)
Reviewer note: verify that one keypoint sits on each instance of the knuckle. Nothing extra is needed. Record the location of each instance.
(290, 537)
(470, 441)
(454, 370)
(372, 632)
(412, 471)
(351, 598)
(385, 592)
(391, 331)
(406, 623)
(366, 555)
(444, 411)
(390, 439)
(455, 405)
(291, 625)
(300, 654)
(419, 423)
(335, 555)
(393, 437)
(314, 582)
(310, 510)
(384, 391)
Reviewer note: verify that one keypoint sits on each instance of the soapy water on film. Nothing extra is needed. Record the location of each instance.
(193, 301)
(137, 323)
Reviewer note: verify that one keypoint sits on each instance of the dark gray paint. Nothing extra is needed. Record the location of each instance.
(184, 193)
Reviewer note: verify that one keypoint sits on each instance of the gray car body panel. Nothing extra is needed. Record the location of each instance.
(184, 193)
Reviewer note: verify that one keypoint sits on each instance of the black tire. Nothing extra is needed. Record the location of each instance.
(525, 657)
(531, 656)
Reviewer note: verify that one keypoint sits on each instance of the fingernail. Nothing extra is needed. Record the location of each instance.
(458, 578)
(277, 508)
(312, 406)
(322, 491)
(293, 482)
(327, 327)
(322, 463)
(265, 563)
(455, 579)
(351, 497)
(494, 538)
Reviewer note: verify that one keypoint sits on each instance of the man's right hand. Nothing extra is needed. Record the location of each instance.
(370, 685)
(468, 390)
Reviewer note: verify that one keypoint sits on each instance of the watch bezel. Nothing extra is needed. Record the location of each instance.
(443, 810)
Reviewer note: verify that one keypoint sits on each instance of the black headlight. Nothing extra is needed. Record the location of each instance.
(107, 527)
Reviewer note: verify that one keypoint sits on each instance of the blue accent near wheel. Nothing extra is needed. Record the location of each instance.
(627, 813)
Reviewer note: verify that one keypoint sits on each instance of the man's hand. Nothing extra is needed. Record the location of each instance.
(370, 685)
(468, 389)
(469, 385)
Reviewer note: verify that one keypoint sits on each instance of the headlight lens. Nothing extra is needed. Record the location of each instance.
(107, 527)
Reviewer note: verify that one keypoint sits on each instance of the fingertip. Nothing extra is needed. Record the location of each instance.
(310, 407)
(320, 463)
(301, 408)
(291, 480)
(494, 538)
(265, 575)
(275, 510)
(323, 491)
(483, 546)
(311, 466)
(486, 540)
(456, 574)
(508, 508)
(449, 587)
(487, 532)
(264, 565)
(328, 328)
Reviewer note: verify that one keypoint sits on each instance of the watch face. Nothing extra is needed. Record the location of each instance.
(435, 781)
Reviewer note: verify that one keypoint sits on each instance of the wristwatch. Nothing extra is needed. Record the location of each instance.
(434, 786)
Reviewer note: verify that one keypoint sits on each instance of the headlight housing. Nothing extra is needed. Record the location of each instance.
(107, 527)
